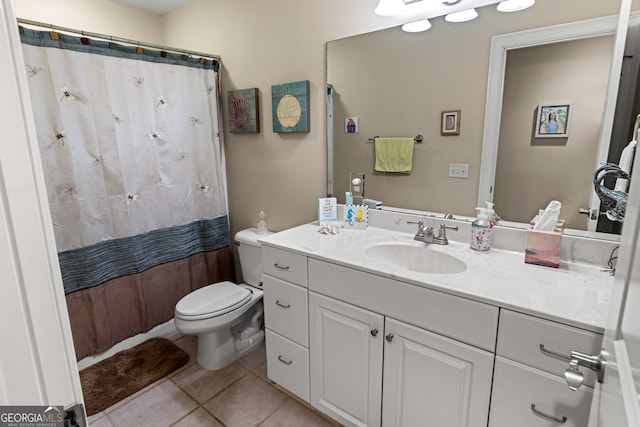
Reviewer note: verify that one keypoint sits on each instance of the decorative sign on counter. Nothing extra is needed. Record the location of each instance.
(356, 217)
(327, 210)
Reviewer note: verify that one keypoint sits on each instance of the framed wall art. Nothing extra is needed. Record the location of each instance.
(244, 116)
(553, 120)
(290, 107)
(450, 122)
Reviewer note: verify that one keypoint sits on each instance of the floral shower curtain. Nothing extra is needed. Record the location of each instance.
(131, 148)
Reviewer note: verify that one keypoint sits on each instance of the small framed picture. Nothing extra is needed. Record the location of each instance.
(243, 111)
(553, 120)
(450, 124)
(351, 125)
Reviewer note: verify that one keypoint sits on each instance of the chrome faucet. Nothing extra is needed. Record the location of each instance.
(424, 234)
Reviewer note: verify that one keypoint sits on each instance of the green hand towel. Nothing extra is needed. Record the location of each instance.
(394, 154)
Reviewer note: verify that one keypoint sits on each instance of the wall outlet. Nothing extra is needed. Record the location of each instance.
(458, 170)
(356, 184)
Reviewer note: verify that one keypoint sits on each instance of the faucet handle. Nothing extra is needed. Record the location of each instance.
(442, 234)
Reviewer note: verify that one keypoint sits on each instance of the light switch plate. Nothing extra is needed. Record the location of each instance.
(458, 170)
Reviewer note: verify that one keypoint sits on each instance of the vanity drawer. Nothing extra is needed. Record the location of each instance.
(285, 265)
(516, 387)
(288, 364)
(286, 309)
(520, 337)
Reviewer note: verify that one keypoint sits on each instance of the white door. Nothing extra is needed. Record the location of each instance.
(37, 359)
(430, 380)
(345, 352)
(615, 402)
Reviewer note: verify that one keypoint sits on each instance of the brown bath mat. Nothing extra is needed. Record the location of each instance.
(111, 380)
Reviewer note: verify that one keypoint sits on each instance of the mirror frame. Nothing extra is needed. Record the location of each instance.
(501, 44)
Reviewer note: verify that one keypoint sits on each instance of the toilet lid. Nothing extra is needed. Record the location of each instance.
(213, 300)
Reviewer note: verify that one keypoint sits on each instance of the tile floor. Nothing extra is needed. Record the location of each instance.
(239, 395)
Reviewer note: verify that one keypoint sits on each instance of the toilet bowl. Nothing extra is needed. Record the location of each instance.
(227, 317)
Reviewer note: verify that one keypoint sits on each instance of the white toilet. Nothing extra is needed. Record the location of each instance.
(227, 317)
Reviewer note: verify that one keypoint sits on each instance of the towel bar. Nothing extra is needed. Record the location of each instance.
(418, 139)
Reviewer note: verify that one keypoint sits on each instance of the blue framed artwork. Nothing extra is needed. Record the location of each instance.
(290, 107)
(243, 111)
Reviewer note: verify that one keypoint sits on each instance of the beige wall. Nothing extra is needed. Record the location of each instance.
(264, 43)
(98, 16)
(533, 171)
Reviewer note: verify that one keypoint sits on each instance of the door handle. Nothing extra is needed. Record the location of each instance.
(574, 377)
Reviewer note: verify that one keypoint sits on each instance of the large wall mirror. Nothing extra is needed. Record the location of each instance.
(398, 84)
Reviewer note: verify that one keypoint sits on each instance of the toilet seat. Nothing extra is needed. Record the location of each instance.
(212, 301)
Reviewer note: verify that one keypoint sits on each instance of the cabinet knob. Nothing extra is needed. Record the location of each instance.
(389, 337)
(374, 332)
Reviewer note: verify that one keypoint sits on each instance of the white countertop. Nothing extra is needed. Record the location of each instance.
(574, 294)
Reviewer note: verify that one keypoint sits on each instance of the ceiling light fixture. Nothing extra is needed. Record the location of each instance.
(515, 5)
(417, 26)
(389, 7)
(462, 16)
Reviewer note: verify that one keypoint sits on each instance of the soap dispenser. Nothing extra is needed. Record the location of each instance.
(262, 225)
(481, 231)
(491, 213)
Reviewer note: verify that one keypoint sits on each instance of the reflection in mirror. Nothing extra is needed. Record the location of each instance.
(555, 168)
(398, 84)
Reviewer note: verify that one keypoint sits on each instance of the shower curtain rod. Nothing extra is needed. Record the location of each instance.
(117, 39)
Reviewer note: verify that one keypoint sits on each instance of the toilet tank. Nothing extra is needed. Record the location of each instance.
(249, 252)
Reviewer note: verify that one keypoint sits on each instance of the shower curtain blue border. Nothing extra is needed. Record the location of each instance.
(93, 265)
(65, 41)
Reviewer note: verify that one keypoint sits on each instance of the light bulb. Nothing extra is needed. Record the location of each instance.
(417, 26)
(462, 16)
(515, 5)
(389, 7)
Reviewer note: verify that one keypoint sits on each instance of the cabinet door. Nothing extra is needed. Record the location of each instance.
(345, 361)
(430, 380)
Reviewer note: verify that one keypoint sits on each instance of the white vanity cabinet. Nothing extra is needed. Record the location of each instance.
(346, 361)
(286, 315)
(528, 385)
(428, 379)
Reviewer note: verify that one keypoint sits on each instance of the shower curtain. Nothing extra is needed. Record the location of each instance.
(131, 149)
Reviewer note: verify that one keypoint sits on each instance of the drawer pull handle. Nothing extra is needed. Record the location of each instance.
(553, 353)
(281, 267)
(286, 305)
(389, 337)
(285, 361)
(547, 416)
(374, 332)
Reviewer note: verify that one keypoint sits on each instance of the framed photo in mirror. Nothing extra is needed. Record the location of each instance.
(553, 120)
(450, 122)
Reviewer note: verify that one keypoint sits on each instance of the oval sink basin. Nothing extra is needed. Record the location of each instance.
(415, 257)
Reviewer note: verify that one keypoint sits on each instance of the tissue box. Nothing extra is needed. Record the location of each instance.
(543, 247)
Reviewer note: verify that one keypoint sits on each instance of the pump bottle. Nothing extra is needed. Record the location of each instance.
(481, 231)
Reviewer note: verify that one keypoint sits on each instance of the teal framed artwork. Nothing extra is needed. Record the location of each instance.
(244, 116)
(290, 107)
